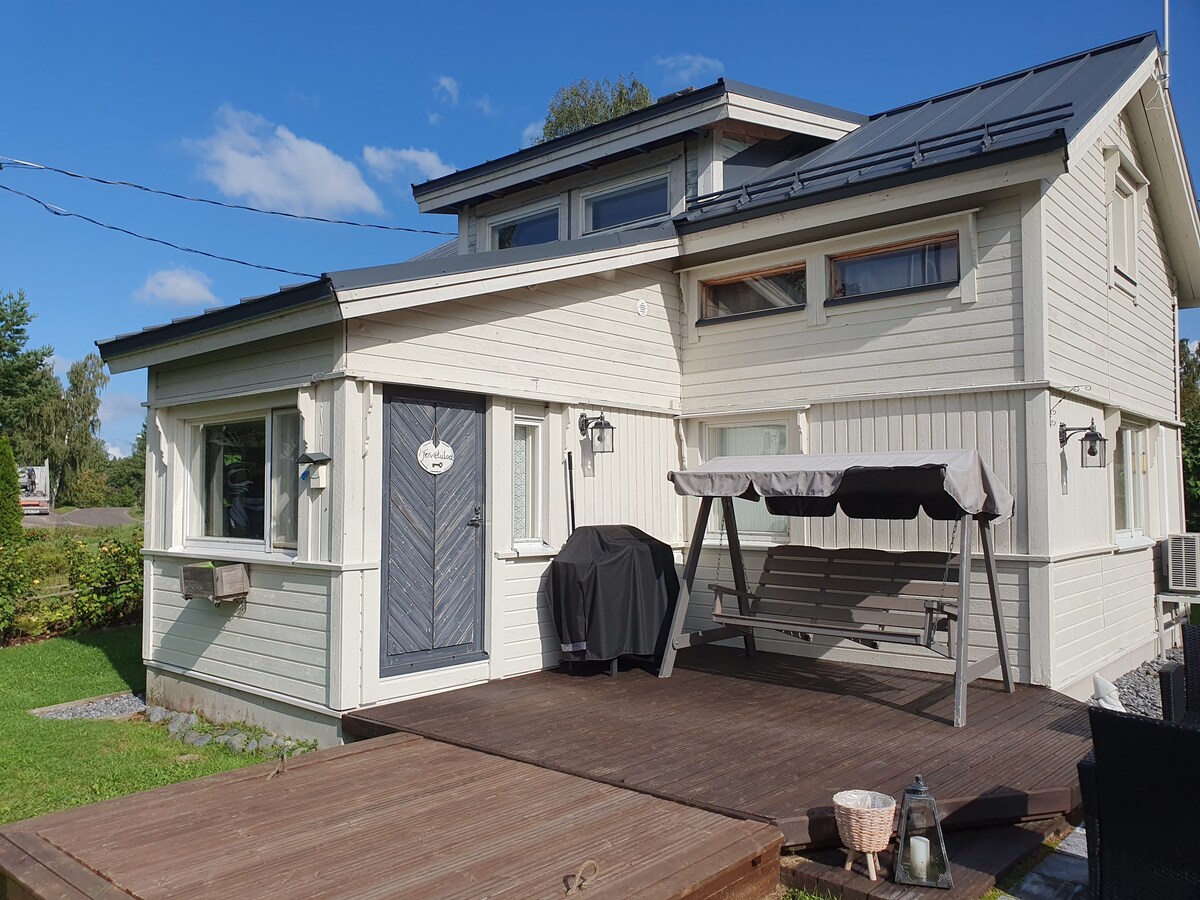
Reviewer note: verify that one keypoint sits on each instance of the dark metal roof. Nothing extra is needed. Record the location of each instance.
(1027, 113)
(441, 251)
(682, 100)
(415, 269)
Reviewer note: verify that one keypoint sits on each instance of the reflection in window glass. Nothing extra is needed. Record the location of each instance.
(235, 479)
(538, 229)
(285, 479)
(787, 289)
(620, 207)
(525, 483)
(895, 268)
(749, 440)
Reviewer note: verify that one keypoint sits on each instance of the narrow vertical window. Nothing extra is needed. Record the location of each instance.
(285, 482)
(1130, 479)
(527, 474)
(769, 439)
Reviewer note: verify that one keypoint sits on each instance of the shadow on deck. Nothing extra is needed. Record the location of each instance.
(771, 738)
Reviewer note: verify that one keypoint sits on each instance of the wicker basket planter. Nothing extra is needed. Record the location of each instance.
(864, 821)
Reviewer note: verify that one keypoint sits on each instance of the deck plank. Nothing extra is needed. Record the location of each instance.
(772, 738)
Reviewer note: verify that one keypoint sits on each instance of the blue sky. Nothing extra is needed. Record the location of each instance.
(334, 109)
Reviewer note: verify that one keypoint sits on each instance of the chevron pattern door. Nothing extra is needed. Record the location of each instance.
(433, 530)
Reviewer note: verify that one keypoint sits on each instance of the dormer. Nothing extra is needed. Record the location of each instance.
(635, 170)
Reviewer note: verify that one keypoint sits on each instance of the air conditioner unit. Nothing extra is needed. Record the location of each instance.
(214, 583)
(1182, 563)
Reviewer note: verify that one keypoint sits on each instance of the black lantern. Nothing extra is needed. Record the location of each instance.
(598, 430)
(1093, 446)
(920, 849)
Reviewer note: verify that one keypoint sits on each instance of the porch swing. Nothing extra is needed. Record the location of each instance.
(865, 596)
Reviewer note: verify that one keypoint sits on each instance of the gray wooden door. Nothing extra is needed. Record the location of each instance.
(433, 533)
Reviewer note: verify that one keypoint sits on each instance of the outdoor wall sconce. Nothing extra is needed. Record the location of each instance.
(1093, 445)
(315, 473)
(598, 430)
(920, 849)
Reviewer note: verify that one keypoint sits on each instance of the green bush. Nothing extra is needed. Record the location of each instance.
(13, 575)
(106, 578)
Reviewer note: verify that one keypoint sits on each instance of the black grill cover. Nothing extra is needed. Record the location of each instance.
(612, 589)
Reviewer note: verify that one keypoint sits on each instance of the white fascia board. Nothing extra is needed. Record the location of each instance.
(553, 163)
(1090, 131)
(846, 210)
(302, 318)
(787, 118)
(438, 289)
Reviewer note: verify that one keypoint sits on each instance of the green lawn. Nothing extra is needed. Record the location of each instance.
(48, 765)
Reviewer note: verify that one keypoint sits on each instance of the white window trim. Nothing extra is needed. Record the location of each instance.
(193, 500)
(586, 195)
(1119, 169)
(815, 257)
(537, 545)
(1135, 537)
(487, 224)
(717, 539)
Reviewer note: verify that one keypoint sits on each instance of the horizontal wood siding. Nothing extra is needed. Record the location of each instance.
(992, 422)
(578, 340)
(1014, 599)
(276, 641)
(249, 368)
(1103, 608)
(530, 640)
(913, 342)
(1122, 348)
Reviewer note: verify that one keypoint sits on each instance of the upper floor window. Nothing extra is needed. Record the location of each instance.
(539, 228)
(626, 205)
(932, 262)
(248, 482)
(1123, 216)
(761, 292)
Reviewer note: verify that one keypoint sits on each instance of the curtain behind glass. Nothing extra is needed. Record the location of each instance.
(285, 477)
(749, 440)
(522, 483)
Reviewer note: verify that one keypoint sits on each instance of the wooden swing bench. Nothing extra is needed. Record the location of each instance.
(866, 596)
(870, 597)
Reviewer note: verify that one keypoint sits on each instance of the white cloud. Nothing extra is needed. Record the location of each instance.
(386, 162)
(435, 118)
(176, 287)
(446, 90)
(532, 132)
(484, 105)
(115, 452)
(690, 68)
(254, 160)
(59, 364)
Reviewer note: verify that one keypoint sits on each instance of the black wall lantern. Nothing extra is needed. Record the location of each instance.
(920, 849)
(598, 430)
(1093, 445)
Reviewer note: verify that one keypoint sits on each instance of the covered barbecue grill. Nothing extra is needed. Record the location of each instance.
(611, 591)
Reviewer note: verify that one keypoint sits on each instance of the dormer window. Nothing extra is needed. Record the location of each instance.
(537, 228)
(641, 201)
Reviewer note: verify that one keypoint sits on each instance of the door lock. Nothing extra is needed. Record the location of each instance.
(476, 520)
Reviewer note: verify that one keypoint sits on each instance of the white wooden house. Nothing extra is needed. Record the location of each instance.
(728, 271)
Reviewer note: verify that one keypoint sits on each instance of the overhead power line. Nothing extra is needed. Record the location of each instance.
(19, 163)
(67, 214)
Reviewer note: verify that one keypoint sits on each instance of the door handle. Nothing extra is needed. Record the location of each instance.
(476, 520)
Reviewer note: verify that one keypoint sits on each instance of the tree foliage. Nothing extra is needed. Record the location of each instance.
(25, 376)
(587, 102)
(13, 573)
(127, 476)
(1189, 413)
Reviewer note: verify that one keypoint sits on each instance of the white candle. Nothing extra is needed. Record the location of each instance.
(918, 857)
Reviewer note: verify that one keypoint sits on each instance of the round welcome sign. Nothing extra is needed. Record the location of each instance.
(435, 458)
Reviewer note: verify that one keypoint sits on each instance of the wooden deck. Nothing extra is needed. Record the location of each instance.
(771, 738)
(396, 817)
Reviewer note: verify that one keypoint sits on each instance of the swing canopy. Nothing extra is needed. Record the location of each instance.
(945, 484)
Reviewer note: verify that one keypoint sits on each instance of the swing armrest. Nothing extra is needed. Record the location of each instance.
(726, 589)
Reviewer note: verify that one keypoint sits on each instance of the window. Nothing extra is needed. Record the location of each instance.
(623, 206)
(769, 439)
(899, 268)
(539, 228)
(1123, 217)
(751, 294)
(527, 477)
(249, 478)
(1130, 477)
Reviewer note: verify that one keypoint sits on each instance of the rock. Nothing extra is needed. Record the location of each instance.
(191, 738)
(268, 742)
(222, 739)
(251, 746)
(187, 758)
(157, 713)
(178, 725)
(237, 742)
(1139, 690)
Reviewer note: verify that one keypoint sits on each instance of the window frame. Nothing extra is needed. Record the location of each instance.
(194, 496)
(589, 195)
(536, 502)
(1122, 176)
(1136, 466)
(489, 224)
(704, 287)
(718, 536)
(832, 260)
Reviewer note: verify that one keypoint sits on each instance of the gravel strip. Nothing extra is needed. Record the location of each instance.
(1139, 690)
(99, 709)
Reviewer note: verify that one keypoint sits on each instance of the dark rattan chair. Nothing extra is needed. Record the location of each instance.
(1141, 794)
(1180, 682)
